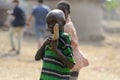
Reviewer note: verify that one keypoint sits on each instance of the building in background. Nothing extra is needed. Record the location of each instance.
(87, 16)
(4, 6)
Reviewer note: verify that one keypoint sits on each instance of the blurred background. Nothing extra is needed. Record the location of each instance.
(98, 28)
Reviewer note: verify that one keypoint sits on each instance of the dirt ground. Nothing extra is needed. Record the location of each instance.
(103, 57)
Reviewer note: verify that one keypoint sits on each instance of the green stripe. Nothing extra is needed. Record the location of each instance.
(51, 66)
(46, 77)
(67, 50)
(71, 59)
(50, 53)
(55, 67)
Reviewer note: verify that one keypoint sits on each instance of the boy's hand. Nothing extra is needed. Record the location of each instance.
(54, 44)
(47, 41)
(9, 12)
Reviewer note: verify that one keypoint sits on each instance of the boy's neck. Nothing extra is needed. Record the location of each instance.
(40, 3)
(61, 32)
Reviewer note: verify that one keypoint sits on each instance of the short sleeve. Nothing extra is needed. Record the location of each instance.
(33, 10)
(67, 49)
(48, 9)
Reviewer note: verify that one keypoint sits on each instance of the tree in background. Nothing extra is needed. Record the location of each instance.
(112, 4)
(112, 9)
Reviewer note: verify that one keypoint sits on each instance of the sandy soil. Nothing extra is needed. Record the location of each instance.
(103, 56)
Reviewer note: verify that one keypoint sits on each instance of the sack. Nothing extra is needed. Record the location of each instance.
(80, 60)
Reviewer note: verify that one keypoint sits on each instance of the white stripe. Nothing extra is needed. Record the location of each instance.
(53, 73)
(53, 60)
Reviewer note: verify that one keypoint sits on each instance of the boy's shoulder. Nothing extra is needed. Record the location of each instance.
(66, 36)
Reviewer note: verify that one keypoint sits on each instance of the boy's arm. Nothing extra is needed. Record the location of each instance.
(12, 14)
(29, 20)
(64, 59)
(40, 53)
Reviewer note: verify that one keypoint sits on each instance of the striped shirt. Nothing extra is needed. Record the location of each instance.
(53, 68)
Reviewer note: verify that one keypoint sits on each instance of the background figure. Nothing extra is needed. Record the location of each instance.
(69, 28)
(18, 22)
(39, 12)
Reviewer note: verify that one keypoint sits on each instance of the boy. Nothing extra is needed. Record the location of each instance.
(56, 54)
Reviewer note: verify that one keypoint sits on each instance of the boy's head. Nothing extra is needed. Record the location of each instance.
(15, 3)
(53, 17)
(65, 7)
(40, 1)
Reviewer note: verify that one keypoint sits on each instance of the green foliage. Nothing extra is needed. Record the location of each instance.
(112, 4)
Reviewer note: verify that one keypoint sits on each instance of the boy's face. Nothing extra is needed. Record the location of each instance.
(15, 4)
(53, 17)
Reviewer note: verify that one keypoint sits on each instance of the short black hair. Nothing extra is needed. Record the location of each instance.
(16, 1)
(66, 4)
(58, 16)
(40, 1)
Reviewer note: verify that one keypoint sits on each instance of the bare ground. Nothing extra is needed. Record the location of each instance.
(103, 56)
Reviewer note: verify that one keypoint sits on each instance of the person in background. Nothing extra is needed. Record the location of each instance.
(69, 28)
(18, 21)
(39, 13)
